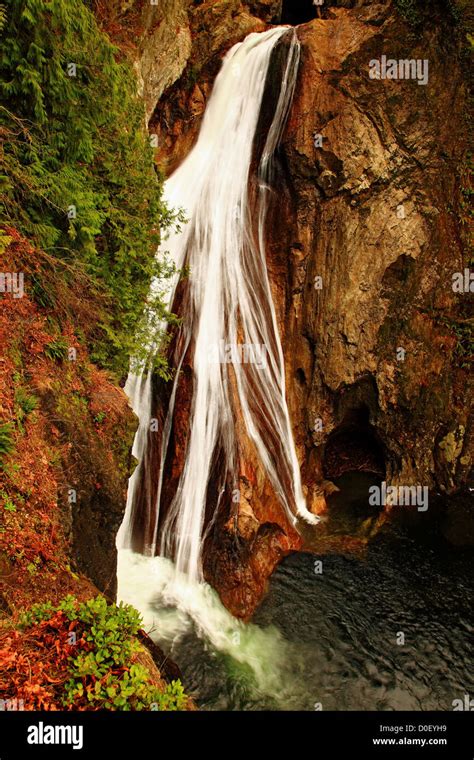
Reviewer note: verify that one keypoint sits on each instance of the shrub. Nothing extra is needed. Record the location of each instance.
(101, 664)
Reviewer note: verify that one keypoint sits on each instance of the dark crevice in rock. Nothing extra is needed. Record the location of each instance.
(354, 446)
(301, 376)
(298, 12)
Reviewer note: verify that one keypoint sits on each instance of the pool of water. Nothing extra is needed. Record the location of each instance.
(392, 629)
(391, 632)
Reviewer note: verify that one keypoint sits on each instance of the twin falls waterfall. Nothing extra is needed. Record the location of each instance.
(228, 327)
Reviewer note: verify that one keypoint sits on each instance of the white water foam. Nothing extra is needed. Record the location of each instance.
(172, 607)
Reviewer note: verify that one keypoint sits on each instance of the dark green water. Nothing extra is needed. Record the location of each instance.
(339, 634)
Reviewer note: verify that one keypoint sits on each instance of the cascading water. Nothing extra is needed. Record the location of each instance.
(228, 313)
(230, 298)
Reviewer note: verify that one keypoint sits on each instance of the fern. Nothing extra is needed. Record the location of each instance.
(6, 439)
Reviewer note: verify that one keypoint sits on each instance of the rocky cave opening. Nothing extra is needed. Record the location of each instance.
(354, 446)
(296, 12)
(354, 461)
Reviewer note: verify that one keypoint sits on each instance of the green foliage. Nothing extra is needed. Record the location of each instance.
(33, 567)
(57, 349)
(25, 402)
(103, 672)
(36, 614)
(6, 439)
(78, 174)
(7, 503)
(41, 293)
(5, 240)
(172, 698)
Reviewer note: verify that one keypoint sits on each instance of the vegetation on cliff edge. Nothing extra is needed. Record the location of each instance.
(78, 176)
(90, 660)
(82, 215)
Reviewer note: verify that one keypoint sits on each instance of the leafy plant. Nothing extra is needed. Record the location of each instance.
(25, 402)
(7, 503)
(103, 671)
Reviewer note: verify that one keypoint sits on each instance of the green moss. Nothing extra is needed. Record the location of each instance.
(414, 11)
(191, 76)
(409, 10)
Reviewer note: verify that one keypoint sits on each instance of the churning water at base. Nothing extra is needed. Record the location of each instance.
(177, 612)
(327, 638)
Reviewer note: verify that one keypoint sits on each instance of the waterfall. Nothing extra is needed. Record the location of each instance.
(229, 322)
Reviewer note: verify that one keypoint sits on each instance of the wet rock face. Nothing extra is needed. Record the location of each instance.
(181, 37)
(370, 168)
(102, 468)
(214, 28)
(364, 238)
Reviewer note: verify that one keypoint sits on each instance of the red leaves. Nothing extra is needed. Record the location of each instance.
(7, 657)
(34, 663)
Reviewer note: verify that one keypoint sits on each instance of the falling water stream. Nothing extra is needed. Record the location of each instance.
(229, 307)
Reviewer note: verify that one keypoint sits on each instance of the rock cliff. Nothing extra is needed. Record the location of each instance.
(366, 232)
